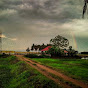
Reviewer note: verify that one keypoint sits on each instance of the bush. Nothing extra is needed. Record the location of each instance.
(36, 56)
(32, 56)
(4, 55)
(44, 56)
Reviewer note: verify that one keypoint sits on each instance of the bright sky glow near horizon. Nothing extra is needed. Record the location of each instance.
(24, 22)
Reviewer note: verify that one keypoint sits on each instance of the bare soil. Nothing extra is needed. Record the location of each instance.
(47, 71)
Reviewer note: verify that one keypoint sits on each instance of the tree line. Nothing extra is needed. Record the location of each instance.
(59, 45)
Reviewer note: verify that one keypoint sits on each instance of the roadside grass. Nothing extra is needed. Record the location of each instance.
(17, 74)
(75, 68)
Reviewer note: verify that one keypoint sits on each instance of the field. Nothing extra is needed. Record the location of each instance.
(75, 68)
(17, 74)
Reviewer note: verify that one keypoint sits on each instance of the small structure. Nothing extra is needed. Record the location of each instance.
(66, 52)
(46, 49)
(0, 42)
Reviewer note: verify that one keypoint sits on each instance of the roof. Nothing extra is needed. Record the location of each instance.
(65, 51)
(47, 48)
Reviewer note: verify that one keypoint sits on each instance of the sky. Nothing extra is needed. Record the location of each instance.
(24, 22)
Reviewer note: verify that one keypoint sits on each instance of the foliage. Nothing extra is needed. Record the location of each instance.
(72, 52)
(4, 55)
(39, 47)
(28, 49)
(55, 51)
(37, 56)
(44, 56)
(32, 55)
(60, 41)
(32, 47)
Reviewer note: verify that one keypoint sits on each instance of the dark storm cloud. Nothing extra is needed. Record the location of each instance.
(24, 22)
(50, 9)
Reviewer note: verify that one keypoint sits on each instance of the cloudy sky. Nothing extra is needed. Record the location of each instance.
(24, 22)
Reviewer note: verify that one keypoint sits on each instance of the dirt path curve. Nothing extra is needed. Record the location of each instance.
(45, 71)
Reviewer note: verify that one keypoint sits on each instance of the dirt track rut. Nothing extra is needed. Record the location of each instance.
(46, 71)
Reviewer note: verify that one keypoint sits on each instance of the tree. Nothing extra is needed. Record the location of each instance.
(28, 49)
(32, 47)
(60, 41)
(55, 51)
(72, 52)
(36, 47)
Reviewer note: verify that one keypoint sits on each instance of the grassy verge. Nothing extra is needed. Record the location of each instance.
(76, 68)
(17, 74)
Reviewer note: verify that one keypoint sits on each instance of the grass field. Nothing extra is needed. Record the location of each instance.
(17, 74)
(76, 68)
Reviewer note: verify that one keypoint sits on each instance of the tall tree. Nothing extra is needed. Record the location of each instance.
(32, 47)
(60, 41)
(28, 49)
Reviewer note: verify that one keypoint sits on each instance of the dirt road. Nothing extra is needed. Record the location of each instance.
(48, 73)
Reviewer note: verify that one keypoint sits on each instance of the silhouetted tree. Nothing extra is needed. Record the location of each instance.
(36, 47)
(43, 44)
(70, 48)
(84, 8)
(72, 52)
(60, 41)
(32, 47)
(28, 49)
(39, 47)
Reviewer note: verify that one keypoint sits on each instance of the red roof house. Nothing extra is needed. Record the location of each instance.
(47, 48)
(65, 51)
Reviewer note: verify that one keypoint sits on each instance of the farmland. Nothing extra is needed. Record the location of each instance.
(75, 68)
(17, 74)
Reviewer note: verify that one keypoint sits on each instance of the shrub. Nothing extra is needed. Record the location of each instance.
(32, 56)
(36, 56)
(4, 55)
(44, 56)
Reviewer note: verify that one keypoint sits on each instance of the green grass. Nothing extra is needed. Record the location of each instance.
(76, 68)
(17, 74)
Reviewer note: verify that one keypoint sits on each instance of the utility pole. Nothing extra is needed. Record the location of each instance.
(0, 42)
